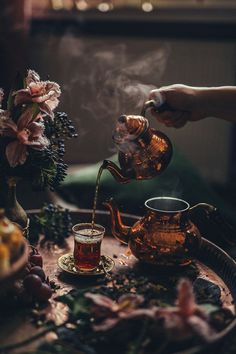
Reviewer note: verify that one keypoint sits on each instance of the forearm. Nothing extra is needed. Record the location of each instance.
(217, 102)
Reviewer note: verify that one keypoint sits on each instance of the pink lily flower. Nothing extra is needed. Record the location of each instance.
(45, 93)
(180, 322)
(25, 132)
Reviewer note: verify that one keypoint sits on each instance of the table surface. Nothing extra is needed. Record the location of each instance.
(17, 327)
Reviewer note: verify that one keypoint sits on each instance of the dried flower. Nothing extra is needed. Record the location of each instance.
(45, 93)
(186, 299)
(110, 313)
(26, 132)
(179, 322)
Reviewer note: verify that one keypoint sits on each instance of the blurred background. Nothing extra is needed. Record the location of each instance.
(107, 55)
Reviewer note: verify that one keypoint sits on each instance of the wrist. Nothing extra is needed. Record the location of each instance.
(200, 101)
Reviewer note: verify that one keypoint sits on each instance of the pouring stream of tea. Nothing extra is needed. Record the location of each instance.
(96, 195)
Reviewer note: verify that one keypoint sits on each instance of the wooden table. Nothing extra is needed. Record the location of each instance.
(16, 327)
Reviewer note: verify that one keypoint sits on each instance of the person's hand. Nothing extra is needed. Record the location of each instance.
(183, 102)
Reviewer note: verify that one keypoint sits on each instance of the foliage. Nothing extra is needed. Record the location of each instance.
(133, 314)
(32, 136)
(53, 222)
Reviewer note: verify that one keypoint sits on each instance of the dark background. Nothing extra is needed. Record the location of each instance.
(106, 63)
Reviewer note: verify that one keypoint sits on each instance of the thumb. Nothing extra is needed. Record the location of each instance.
(158, 96)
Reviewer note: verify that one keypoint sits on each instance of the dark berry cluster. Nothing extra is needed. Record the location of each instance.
(60, 127)
(57, 130)
(64, 126)
(54, 222)
(61, 171)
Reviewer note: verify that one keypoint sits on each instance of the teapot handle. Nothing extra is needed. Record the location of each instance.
(213, 214)
(157, 106)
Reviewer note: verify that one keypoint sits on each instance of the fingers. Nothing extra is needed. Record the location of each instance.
(158, 96)
(182, 99)
(175, 119)
(180, 123)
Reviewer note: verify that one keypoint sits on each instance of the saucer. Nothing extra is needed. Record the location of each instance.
(67, 264)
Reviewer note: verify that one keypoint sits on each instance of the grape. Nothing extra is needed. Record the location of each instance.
(38, 271)
(32, 283)
(44, 293)
(36, 259)
(25, 297)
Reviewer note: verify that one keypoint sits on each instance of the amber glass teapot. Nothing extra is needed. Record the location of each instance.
(144, 152)
(165, 235)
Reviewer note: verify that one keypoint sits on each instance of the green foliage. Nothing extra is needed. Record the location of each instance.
(53, 221)
(45, 167)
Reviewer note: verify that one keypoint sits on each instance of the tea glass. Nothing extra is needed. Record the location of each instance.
(87, 245)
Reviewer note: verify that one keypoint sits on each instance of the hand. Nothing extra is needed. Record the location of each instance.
(183, 100)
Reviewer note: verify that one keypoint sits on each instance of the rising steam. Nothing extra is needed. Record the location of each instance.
(100, 80)
(110, 80)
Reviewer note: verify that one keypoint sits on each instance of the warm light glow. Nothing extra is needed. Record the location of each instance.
(81, 5)
(57, 4)
(68, 4)
(104, 7)
(147, 6)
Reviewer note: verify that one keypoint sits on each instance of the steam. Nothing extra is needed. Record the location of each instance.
(127, 83)
(110, 79)
(101, 79)
(172, 188)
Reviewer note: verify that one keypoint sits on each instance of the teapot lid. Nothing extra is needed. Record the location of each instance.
(167, 204)
(129, 127)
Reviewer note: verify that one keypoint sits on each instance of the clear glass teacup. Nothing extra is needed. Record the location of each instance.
(87, 245)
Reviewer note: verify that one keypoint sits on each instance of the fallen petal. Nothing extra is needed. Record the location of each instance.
(150, 313)
(186, 298)
(106, 325)
(100, 300)
(201, 327)
(128, 302)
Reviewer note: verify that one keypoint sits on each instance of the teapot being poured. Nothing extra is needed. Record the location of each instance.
(144, 152)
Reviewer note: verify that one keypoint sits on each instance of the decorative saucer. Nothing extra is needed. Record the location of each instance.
(66, 263)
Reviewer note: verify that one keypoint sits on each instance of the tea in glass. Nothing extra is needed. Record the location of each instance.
(87, 245)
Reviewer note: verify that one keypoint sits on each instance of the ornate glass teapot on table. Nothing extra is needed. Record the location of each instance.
(166, 235)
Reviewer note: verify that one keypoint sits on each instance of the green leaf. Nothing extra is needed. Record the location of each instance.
(80, 306)
(77, 303)
(209, 308)
(67, 299)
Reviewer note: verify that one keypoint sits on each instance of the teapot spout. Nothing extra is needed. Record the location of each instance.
(115, 171)
(119, 230)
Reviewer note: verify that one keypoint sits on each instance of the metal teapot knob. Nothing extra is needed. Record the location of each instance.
(158, 104)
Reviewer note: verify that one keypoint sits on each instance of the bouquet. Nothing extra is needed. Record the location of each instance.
(32, 135)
